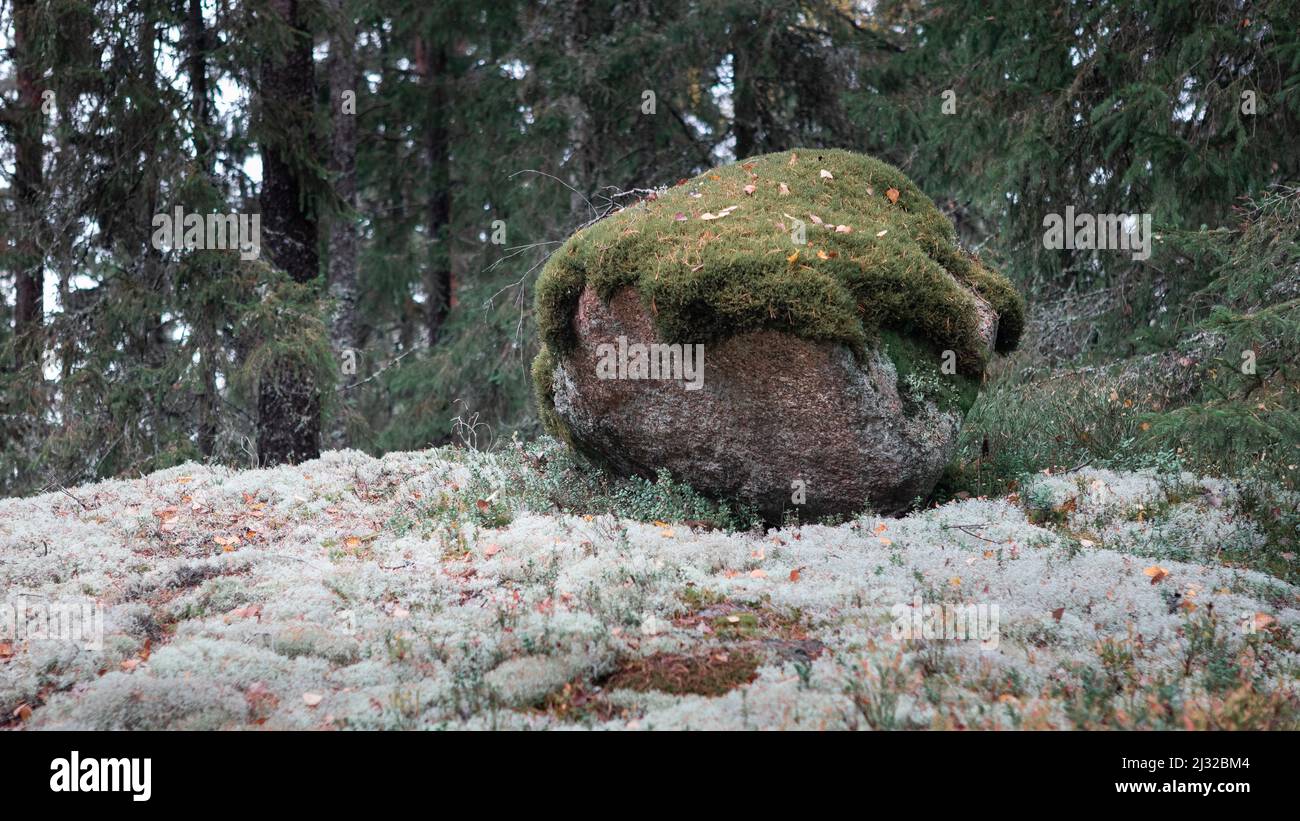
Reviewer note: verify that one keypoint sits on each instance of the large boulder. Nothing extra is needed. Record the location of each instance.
(835, 371)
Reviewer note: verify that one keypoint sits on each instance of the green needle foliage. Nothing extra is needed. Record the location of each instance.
(539, 118)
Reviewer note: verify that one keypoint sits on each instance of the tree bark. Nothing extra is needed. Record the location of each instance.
(197, 68)
(575, 25)
(432, 62)
(288, 403)
(209, 350)
(747, 114)
(29, 309)
(343, 229)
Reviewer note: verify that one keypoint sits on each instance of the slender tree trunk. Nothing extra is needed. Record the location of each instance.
(746, 112)
(153, 339)
(209, 349)
(29, 310)
(432, 62)
(343, 229)
(747, 116)
(69, 339)
(288, 402)
(575, 25)
(197, 68)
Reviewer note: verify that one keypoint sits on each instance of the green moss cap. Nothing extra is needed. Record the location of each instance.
(714, 256)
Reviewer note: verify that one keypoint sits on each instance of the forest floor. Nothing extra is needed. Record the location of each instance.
(417, 591)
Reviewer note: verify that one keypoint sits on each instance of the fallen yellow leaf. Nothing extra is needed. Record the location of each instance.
(1156, 572)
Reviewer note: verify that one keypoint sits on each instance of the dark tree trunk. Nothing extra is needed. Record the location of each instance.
(152, 338)
(343, 229)
(287, 88)
(197, 68)
(747, 122)
(209, 349)
(575, 23)
(432, 60)
(288, 402)
(29, 310)
(746, 116)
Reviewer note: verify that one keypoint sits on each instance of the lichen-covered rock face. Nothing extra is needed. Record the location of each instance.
(836, 370)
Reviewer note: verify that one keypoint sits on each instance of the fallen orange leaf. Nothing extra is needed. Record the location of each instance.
(246, 612)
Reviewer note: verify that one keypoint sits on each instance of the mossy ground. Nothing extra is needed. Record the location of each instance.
(714, 256)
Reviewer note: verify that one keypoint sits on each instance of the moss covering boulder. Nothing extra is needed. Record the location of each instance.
(836, 369)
